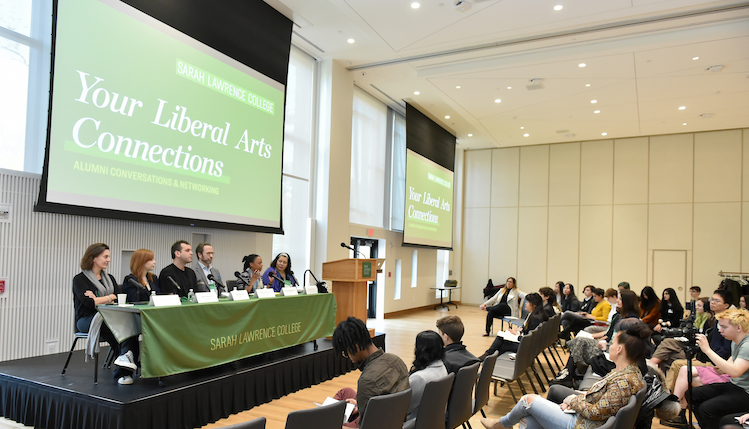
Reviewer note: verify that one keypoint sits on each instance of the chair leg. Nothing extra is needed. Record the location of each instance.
(530, 380)
(522, 386)
(483, 414)
(541, 366)
(109, 359)
(69, 356)
(468, 423)
(547, 360)
(540, 383)
(512, 392)
(553, 350)
(96, 368)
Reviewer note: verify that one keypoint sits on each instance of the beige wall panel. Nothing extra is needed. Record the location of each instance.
(595, 246)
(745, 237)
(630, 244)
(631, 171)
(597, 172)
(534, 175)
(717, 166)
(563, 244)
(475, 254)
(746, 165)
(671, 159)
(505, 176)
(564, 174)
(670, 226)
(532, 248)
(717, 241)
(478, 164)
(503, 244)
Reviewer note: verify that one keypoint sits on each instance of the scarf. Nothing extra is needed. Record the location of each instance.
(104, 289)
(700, 319)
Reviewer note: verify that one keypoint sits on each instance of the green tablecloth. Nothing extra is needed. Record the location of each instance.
(195, 336)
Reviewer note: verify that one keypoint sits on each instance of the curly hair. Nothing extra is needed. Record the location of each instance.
(350, 336)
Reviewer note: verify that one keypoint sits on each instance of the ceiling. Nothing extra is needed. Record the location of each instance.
(639, 58)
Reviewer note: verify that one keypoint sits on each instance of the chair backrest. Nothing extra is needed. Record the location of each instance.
(525, 354)
(324, 417)
(386, 411)
(433, 400)
(523, 311)
(231, 285)
(485, 380)
(258, 423)
(626, 417)
(459, 406)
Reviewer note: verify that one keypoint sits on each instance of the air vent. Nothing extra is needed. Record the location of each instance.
(535, 84)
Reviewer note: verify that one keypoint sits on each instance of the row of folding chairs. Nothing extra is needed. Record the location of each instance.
(454, 394)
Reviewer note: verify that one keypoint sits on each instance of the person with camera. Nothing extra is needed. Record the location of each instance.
(713, 401)
(671, 349)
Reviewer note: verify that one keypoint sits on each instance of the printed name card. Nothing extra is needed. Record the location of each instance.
(164, 300)
(289, 291)
(265, 293)
(203, 297)
(310, 290)
(238, 295)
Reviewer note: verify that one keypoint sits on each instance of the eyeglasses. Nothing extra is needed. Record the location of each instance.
(719, 301)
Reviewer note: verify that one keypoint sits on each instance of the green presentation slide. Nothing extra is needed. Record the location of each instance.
(429, 203)
(148, 120)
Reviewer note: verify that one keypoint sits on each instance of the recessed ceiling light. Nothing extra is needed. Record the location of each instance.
(587, 84)
(415, 5)
(596, 111)
(558, 7)
(351, 40)
(682, 107)
(470, 135)
(695, 58)
(522, 128)
(604, 134)
(457, 87)
(447, 116)
(582, 65)
(526, 135)
(497, 100)
(684, 123)
(593, 101)
(416, 93)
(509, 87)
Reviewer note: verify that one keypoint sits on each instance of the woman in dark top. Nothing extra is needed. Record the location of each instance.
(671, 310)
(280, 268)
(550, 303)
(536, 316)
(139, 284)
(94, 287)
(569, 300)
(650, 306)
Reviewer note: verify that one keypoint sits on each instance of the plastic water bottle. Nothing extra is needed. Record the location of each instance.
(191, 296)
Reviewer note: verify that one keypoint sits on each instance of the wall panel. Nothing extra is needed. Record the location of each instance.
(478, 177)
(534, 175)
(717, 166)
(564, 174)
(717, 242)
(532, 248)
(670, 226)
(671, 168)
(631, 171)
(630, 244)
(505, 177)
(597, 172)
(503, 243)
(595, 246)
(563, 244)
(475, 253)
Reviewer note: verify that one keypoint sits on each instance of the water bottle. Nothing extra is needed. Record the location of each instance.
(191, 296)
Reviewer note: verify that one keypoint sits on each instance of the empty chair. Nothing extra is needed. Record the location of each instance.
(324, 417)
(482, 386)
(626, 417)
(434, 399)
(386, 411)
(258, 423)
(460, 404)
(509, 369)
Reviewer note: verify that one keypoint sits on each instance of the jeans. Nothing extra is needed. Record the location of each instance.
(540, 414)
(131, 344)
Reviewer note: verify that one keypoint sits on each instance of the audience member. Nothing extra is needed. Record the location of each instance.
(671, 349)
(279, 274)
(204, 269)
(506, 302)
(743, 301)
(558, 286)
(429, 352)
(536, 316)
(580, 320)
(650, 306)
(550, 304)
(451, 330)
(177, 277)
(611, 296)
(569, 300)
(588, 303)
(139, 284)
(694, 295)
(623, 286)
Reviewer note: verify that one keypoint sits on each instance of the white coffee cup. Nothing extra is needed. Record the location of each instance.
(121, 299)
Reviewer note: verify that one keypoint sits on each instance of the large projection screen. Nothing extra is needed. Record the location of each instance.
(429, 203)
(148, 121)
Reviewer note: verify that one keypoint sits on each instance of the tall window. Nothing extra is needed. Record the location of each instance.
(443, 269)
(368, 146)
(298, 137)
(397, 171)
(24, 82)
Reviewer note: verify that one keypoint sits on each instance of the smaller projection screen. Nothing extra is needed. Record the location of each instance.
(429, 203)
(148, 121)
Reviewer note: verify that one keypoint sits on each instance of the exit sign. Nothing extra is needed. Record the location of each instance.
(3, 288)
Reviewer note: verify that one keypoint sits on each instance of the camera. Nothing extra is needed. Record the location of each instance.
(686, 329)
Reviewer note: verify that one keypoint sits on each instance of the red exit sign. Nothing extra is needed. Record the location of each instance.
(2, 286)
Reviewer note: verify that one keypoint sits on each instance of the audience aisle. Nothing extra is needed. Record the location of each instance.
(401, 330)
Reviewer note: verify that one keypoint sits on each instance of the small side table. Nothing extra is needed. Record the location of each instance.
(450, 296)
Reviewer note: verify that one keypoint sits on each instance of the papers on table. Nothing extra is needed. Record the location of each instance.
(346, 413)
(509, 336)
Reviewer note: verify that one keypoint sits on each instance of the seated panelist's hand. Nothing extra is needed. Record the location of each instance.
(482, 306)
(90, 294)
(255, 275)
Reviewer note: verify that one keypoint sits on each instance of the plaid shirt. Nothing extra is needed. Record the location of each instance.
(606, 397)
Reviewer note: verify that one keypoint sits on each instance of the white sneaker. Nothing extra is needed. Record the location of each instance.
(126, 360)
(125, 380)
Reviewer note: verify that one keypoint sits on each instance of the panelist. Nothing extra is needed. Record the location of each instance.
(139, 284)
(253, 272)
(177, 278)
(279, 273)
(91, 288)
(205, 258)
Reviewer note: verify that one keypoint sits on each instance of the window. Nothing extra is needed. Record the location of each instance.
(398, 265)
(443, 269)
(397, 172)
(414, 268)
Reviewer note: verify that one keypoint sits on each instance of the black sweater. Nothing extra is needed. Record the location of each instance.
(84, 306)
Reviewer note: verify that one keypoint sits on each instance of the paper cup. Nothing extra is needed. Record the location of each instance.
(121, 298)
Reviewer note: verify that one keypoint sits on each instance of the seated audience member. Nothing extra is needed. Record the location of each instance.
(451, 330)
(601, 401)
(253, 272)
(671, 313)
(623, 286)
(713, 401)
(611, 296)
(650, 306)
(588, 303)
(536, 316)
(427, 366)
(177, 278)
(743, 301)
(381, 373)
(558, 286)
(142, 262)
(204, 251)
(506, 302)
(580, 320)
(569, 300)
(550, 304)
(279, 273)
(734, 287)
(719, 303)
(671, 349)
(93, 287)
(694, 295)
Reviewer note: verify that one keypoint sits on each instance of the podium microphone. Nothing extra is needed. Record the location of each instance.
(356, 252)
(215, 280)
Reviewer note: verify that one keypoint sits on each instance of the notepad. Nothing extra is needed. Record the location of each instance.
(346, 413)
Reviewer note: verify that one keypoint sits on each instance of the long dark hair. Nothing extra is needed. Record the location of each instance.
(648, 299)
(429, 348)
(275, 260)
(629, 303)
(572, 291)
(250, 259)
(538, 309)
(672, 299)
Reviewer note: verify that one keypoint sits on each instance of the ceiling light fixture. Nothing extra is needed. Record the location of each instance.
(558, 7)
(526, 135)
(457, 87)
(522, 128)
(682, 107)
(447, 116)
(416, 93)
(351, 40)
(581, 65)
(695, 58)
(415, 5)
(470, 135)
(593, 101)
(604, 134)
(587, 85)
(497, 100)
(596, 111)
(684, 123)
(509, 87)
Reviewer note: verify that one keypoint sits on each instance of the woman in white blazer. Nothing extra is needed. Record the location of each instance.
(506, 302)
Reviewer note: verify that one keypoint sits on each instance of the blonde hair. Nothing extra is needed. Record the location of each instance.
(737, 317)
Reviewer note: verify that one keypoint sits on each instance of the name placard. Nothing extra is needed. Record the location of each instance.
(265, 293)
(310, 290)
(203, 297)
(164, 300)
(238, 295)
(289, 291)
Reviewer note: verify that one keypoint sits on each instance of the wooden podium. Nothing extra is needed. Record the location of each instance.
(350, 277)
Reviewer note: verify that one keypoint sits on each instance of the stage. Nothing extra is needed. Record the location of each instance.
(33, 392)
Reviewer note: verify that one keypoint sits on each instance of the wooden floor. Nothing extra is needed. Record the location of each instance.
(400, 334)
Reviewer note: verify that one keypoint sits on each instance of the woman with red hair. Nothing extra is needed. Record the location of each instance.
(139, 284)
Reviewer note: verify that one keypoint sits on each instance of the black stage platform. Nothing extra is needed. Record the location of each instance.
(33, 392)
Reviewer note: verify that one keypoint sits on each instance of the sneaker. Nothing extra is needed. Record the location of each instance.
(564, 373)
(125, 380)
(126, 360)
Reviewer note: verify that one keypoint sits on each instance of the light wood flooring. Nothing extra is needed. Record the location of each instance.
(400, 333)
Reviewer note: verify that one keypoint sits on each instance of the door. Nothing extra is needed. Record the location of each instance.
(367, 248)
